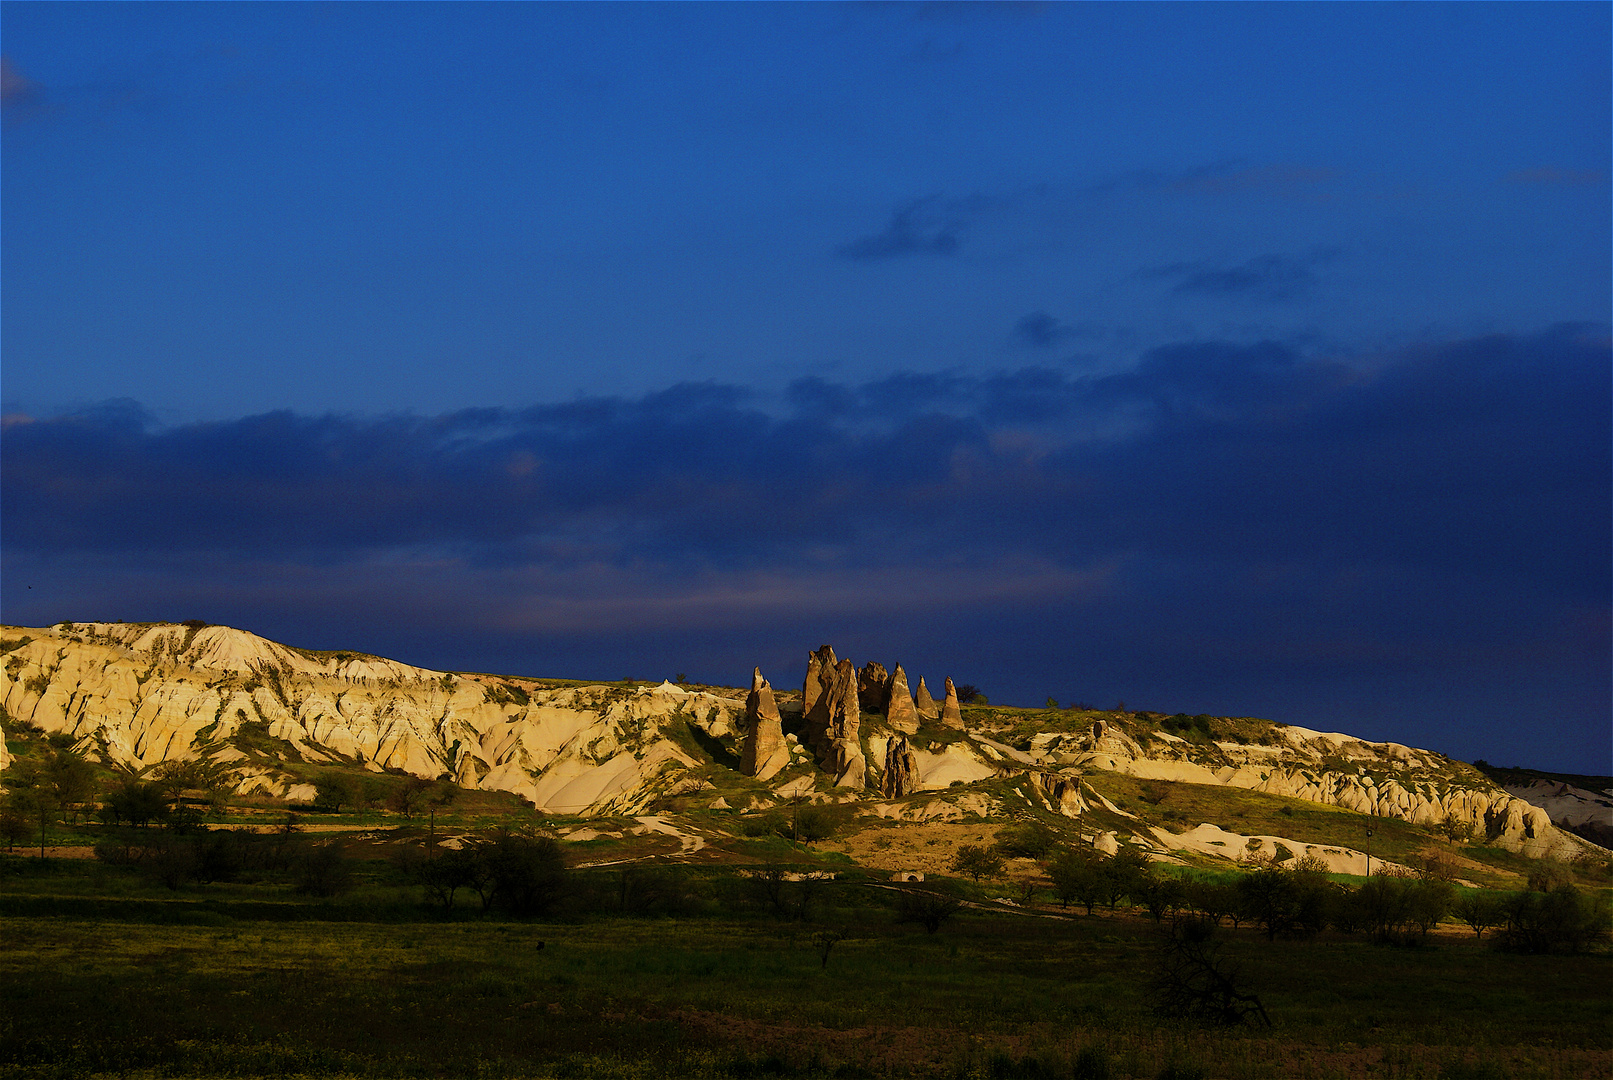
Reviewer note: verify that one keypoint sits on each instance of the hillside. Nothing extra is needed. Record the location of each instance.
(1196, 789)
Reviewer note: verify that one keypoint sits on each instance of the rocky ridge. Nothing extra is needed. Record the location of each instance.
(1378, 778)
(141, 694)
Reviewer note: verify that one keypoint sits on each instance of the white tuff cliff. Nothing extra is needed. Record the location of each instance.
(145, 694)
(1383, 779)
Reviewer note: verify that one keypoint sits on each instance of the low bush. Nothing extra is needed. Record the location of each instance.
(927, 907)
(1563, 920)
(1026, 840)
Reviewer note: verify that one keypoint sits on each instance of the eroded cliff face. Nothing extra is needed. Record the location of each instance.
(1583, 811)
(141, 694)
(144, 694)
(1383, 779)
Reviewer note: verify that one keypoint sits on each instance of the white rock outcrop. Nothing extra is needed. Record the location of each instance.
(145, 694)
(1383, 779)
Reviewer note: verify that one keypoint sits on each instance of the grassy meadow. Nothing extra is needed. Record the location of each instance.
(235, 938)
(105, 972)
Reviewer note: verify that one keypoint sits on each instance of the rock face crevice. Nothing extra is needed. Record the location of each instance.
(901, 775)
(873, 685)
(1063, 793)
(820, 670)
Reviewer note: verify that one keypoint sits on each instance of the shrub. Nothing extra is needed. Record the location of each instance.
(1162, 894)
(1479, 910)
(1562, 920)
(14, 826)
(1076, 879)
(1270, 897)
(173, 862)
(1092, 1063)
(1216, 900)
(763, 825)
(1547, 874)
(220, 855)
(445, 873)
(926, 907)
(1079, 876)
(977, 862)
(134, 802)
(1026, 840)
(1428, 902)
(524, 875)
(650, 890)
(809, 823)
(1397, 910)
(323, 870)
(1124, 874)
(332, 791)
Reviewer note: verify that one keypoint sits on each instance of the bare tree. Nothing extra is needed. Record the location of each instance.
(1196, 982)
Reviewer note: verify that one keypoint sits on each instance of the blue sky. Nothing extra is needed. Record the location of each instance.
(1227, 358)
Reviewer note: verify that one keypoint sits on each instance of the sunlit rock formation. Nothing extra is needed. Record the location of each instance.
(139, 694)
(924, 704)
(900, 712)
(832, 722)
(951, 715)
(765, 751)
(901, 775)
(872, 685)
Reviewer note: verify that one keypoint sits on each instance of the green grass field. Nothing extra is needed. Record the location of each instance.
(105, 973)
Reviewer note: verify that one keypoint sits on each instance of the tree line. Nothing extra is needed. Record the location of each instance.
(1297, 896)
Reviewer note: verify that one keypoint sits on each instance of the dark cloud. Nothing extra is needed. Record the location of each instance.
(15, 87)
(1555, 177)
(1293, 181)
(1265, 277)
(1041, 330)
(1234, 527)
(960, 10)
(20, 97)
(924, 226)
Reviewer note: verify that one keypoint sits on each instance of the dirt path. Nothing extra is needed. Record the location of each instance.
(652, 823)
(999, 906)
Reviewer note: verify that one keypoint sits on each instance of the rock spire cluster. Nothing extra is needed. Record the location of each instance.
(833, 717)
(834, 696)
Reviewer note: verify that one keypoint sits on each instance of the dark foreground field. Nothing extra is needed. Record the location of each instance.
(223, 983)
